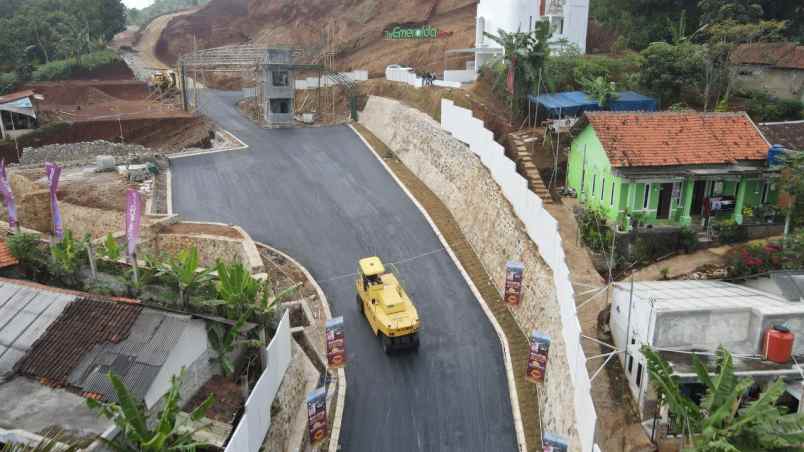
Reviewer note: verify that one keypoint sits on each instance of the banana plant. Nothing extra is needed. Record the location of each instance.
(169, 433)
(110, 249)
(224, 339)
(184, 271)
(67, 253)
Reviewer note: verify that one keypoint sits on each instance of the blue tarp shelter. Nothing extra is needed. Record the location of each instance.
(573, 103)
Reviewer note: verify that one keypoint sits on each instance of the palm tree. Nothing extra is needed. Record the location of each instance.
(137, 434)
(722, 421)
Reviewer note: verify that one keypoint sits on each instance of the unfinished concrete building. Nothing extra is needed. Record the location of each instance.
(277, 78)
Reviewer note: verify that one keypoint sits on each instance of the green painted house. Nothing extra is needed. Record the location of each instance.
(672, 168)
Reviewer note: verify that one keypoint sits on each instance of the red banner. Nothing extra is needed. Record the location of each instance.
(513, 282)
(537, 358)
(317, 416)
(336, 343)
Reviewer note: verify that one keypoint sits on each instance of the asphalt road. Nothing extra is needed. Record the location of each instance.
(320, 195)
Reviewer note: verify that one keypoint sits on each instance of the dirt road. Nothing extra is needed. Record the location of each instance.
(150, 36)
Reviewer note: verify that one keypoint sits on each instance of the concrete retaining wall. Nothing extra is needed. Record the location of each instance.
(485, 216)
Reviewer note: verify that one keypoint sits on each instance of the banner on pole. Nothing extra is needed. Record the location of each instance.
(537, 358)
(8, 196)
(133, 219)
(317, 416)
(513, 282)
(336, 343)
(554, 443)
(53, 172)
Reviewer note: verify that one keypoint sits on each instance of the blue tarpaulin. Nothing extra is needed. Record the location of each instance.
(573, 103)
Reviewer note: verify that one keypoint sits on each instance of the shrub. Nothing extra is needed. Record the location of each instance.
(29, 252)
(730, 232)
(763, 107)
(687, 239)
(594, 231)
(65, 69)
(8, 81)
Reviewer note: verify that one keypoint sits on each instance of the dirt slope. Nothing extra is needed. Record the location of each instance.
(358, 28)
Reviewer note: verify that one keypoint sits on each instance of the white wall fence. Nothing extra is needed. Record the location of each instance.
(543, 230)
(250, 432)
(407, 75)
(460, 76)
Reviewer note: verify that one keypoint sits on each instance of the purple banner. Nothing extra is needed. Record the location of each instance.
(8, 196)
(133, 219)
(53, 172)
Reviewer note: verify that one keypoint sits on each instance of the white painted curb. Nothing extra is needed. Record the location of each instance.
(337, 417)
(242, 146)
(520, 431)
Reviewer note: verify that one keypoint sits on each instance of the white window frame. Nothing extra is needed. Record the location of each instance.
(646, 197)
(611, 201)
(603, 189)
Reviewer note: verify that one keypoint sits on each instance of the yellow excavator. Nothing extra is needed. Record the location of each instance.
(387, 307)
(163, 81)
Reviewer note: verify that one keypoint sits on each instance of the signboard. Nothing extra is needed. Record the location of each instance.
(554, 443)
(317, 416)
(402, 32)
(537, 358)
(53, 172)
(513, 282)
(336, 343)
(8, 196)
(133, 218)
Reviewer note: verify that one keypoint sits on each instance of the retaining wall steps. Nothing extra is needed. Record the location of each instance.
(518, 150)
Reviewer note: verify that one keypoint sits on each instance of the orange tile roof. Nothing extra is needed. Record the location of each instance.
(683, 138)
(6, 258)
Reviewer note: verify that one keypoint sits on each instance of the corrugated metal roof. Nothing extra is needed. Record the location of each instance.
(136, 360)
(25, 315)
(708, 295)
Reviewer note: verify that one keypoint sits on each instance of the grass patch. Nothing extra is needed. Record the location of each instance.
(69, 68)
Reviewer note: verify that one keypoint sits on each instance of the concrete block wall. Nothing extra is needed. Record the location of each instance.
(459, 178)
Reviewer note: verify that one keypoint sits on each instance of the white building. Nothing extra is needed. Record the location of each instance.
(569, 20)
(679, 317)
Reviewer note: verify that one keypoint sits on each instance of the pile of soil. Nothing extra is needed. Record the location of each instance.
(357, 25)
(228, 399)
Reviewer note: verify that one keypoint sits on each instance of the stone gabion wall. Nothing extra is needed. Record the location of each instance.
(290, 398)
(83, 152)
(478, 204)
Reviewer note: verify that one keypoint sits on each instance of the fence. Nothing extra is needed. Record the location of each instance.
(250, 432)
(406, 75)
(542, 228)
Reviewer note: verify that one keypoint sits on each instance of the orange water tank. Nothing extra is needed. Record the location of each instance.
(778, 344)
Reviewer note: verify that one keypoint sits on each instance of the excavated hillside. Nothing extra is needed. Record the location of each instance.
(357, 26)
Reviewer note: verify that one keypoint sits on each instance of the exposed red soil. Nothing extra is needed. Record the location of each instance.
(228, 399)
(357, 26)
(113, 71)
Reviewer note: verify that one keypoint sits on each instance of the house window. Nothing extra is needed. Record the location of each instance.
(765, 192)
(646, 197)
(279, 78)
(677, 193)
(611, 202)
(602, 188)
(280, 106)
(639, 375)
(630, 364)
(594, 183)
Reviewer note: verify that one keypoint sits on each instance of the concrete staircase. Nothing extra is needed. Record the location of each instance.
(519, 150)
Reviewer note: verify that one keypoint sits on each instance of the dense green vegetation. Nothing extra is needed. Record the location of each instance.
(51, 39)
(158, 8)
(641, 22)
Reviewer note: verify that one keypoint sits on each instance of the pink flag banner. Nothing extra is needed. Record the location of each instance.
(8, 196)
(133, 219)
(53, 172)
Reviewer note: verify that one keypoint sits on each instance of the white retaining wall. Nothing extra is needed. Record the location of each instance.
(460, 76)
(543, 230)
(409, 76)
(250, 432)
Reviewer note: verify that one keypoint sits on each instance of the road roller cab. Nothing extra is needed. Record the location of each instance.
(385, 304)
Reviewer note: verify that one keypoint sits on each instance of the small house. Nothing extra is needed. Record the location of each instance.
(671, 168)
(774, 67)
(679, 319)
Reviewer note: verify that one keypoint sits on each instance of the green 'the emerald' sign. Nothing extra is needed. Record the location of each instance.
(419, 32)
